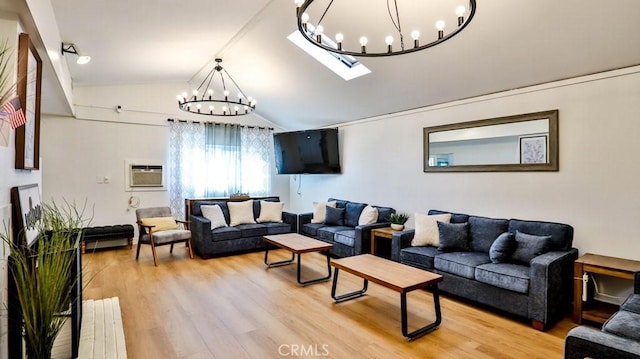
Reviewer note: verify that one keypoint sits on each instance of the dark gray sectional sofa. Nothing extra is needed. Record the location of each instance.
(241, 238)
(349, 239)
(619, 337)
(540, 290)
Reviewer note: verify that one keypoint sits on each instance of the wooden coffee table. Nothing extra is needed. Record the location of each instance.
(297, 244)
(393, 275)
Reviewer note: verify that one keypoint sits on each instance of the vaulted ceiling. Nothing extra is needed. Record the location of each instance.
(510, 44)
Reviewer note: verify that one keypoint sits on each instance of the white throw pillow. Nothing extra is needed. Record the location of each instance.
(320, 211)
(427, 229)
(270, 212)
(241, 212)
(215, 215)
(368, 215)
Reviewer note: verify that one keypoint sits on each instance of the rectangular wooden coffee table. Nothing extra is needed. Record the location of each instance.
(393, 275)
(297, 244)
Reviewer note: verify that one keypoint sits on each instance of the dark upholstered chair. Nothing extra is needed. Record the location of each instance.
(157, 227)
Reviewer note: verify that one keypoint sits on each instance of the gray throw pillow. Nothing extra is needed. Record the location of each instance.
(352, 213)
(334, 216)
(502, 248)
(453, 237)
(529, 246)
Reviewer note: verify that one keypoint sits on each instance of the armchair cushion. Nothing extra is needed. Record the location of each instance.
(160, 223)
(241, 212)
(529, 246)
(215, 215)
(168, 236)
(270, 212)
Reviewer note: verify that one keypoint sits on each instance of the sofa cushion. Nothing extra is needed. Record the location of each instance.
(624, 324)
(340, 203)
(384, 213)
(529, 246)
(561, 234)
(632, 303)
(352, 213)
(453, 237)
(369, 215)
(311, 229)
(483, 231)
(270, 211)
(345, 237)
(455, 217)
(462, 264)
(215, 215)
(422, 255)
(252, 229)
(426, 233)
(241, 212)
(225, 233)
(514, 277)
(334, 216)
(277, 228)
(320, 211)
(327, 232)
(502, 248)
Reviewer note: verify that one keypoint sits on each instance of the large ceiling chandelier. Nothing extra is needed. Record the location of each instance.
(382, 25)
(217, 95)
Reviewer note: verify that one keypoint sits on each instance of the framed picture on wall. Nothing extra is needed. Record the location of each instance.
(533, 149)
(29, 85)
(27, 213)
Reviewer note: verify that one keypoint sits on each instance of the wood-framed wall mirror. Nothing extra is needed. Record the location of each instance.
(527, 142)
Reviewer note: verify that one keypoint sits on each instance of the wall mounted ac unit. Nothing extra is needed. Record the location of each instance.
(146, 176)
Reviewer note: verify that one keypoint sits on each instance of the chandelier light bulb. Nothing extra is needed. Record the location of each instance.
(298, 3)
(210, 92)
(179, 97)
(184, 95)
(415, 35)
(339, 37)
(319, 31)
(460, 10)
(240, 95)
(226, 93)
(440, 25)
(363, 44)
(211, 108)
(389, 41)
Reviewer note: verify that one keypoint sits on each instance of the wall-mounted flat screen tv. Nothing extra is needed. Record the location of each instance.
(307, 152)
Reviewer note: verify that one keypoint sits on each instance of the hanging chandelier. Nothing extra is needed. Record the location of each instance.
(217, 95)
(385, 25)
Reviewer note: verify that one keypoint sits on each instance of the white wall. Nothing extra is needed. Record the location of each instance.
(80, 152)
(595, 190)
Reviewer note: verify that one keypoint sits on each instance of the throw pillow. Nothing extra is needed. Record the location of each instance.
(160, 223)
(426, 232)
(529, 246)
(215, 215)
(334, 216)
(453, 237)
(270, 212)
(352, 213)
(319, 211)
(502, 248)
(241, 212)
(369, 215)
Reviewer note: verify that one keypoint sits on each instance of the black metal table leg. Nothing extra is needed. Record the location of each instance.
(311, 281)
(346, 296)
(279, 263)
(429, 327)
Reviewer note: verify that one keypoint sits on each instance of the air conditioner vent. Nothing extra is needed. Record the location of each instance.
(146, 176)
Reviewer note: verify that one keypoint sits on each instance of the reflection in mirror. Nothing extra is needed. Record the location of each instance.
(514, 143)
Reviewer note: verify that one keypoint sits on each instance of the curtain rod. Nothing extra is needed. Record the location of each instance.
(221, 123)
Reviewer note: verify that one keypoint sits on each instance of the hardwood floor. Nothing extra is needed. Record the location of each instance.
(233, 307)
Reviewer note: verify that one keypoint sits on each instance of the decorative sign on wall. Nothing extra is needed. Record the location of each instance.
(27, 212)
(28, 88)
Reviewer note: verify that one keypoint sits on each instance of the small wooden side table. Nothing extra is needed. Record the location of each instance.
(384, 232)
(593, 310)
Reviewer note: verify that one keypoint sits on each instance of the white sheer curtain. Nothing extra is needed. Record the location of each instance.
(217, 160)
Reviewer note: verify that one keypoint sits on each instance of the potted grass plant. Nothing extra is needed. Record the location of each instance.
(45, 276)
(398, 220)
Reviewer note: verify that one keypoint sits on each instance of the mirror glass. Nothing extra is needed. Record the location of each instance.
(514, 143)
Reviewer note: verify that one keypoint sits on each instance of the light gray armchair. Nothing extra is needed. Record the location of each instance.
(157, 227)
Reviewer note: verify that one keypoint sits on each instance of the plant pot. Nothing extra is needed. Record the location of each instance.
(397, 227)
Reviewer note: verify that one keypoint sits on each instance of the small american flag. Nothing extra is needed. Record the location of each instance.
(14, 112)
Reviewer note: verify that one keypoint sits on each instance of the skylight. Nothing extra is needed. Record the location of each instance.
(344, 66)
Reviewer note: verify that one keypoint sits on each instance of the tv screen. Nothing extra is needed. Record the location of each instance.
(307, 152)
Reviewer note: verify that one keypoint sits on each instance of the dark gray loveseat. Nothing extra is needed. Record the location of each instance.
(619, 337)
(350, 238)
(540, 290)
(241, 238)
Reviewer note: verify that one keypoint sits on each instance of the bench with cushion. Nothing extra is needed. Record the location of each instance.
(105, 236)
